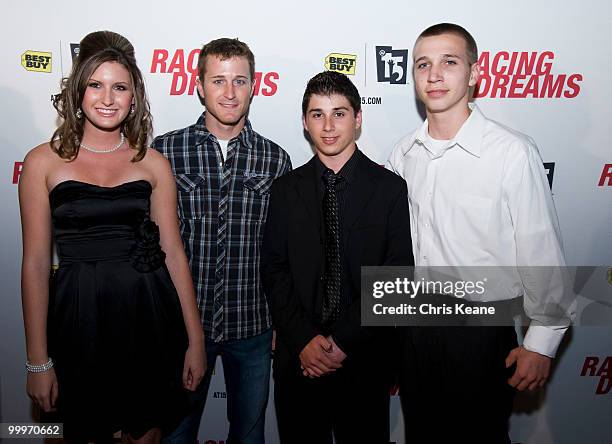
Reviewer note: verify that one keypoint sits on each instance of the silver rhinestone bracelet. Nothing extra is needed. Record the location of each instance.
(39, 368)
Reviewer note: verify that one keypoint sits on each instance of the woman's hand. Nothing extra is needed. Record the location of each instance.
(195, 366)
(42, 388)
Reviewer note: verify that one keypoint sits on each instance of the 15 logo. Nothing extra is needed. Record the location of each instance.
(392, 65)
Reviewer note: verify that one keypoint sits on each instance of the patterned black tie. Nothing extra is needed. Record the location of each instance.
(333, 267)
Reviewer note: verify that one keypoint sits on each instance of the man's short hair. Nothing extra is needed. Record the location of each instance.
(451, 28)
(225, 48)
(327, 83)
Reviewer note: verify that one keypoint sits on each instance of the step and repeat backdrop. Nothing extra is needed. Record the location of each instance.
(545, 72)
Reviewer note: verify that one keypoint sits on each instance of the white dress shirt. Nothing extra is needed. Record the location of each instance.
(483, 199)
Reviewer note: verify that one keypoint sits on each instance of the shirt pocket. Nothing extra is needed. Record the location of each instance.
(472, 216)
(191, 199)
(258, 184)
(257, 193)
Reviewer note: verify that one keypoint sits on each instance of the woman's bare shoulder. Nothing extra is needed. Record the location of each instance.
(156, 163)
(41, 157)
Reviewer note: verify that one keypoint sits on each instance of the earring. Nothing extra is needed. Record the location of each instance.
(79, 113)
(132, 109)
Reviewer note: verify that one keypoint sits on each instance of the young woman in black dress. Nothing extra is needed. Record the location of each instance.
(114, 337)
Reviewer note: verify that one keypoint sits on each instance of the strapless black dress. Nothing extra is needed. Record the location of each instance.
(115, 328)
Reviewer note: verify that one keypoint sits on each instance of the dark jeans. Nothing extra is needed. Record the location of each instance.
(246, 367)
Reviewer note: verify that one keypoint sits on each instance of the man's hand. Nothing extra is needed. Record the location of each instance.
(532, 369)
(336, 354)
(315, 359)
(273, 341)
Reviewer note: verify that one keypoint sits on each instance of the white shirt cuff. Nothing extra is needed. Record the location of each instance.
(543, 340)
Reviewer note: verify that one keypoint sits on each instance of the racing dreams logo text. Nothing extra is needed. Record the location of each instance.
(606, 175)
(184, 69)
(600, 368)
(521, 75)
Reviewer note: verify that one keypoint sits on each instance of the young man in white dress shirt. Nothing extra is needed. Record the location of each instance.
(478, 196)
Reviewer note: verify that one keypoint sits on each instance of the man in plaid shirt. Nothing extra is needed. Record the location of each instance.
(223, 172)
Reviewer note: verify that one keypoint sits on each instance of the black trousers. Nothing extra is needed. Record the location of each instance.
(352, 403)
(453, 384)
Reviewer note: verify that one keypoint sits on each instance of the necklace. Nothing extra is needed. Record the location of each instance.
(110, 150)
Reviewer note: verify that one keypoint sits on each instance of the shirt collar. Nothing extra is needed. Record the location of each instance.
(469, 137)
(347, 171)
(245, 136)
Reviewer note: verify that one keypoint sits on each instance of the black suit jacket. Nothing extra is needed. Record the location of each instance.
(376, 231)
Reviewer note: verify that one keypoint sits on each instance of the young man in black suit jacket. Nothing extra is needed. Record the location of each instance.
(326, 219)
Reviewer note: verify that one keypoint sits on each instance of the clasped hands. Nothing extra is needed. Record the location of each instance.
(321, 356)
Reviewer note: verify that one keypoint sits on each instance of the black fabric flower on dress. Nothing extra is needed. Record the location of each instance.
(146, 255)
